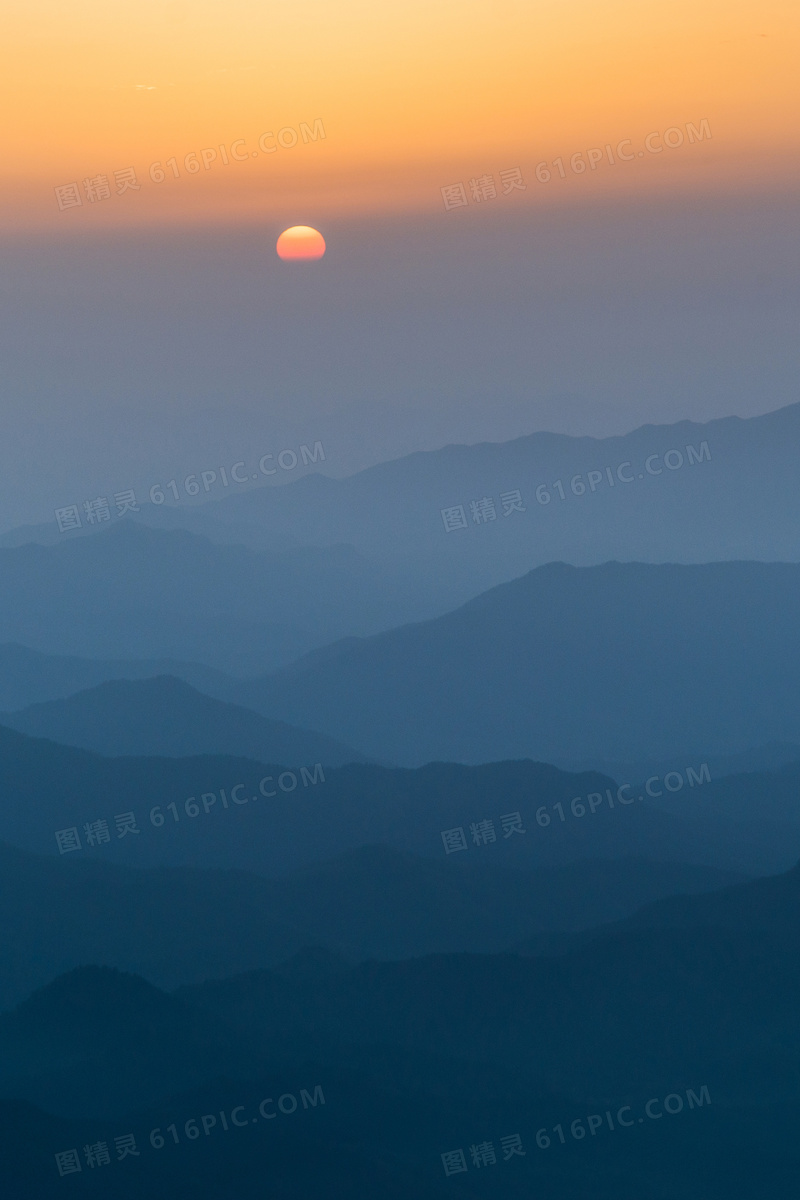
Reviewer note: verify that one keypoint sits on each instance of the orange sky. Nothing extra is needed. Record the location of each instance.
(412, 95)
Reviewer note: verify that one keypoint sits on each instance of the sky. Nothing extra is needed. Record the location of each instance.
(615, 243)
(411, 94)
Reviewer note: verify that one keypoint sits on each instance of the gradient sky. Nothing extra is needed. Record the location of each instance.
(412, 93)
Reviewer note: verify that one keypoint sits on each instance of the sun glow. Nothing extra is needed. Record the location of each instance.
(301, 243)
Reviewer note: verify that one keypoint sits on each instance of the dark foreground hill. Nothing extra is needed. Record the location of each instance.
(183, 925)
(656, 1063)
(635, 1004)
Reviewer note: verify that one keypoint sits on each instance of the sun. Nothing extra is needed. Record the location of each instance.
(301, 243)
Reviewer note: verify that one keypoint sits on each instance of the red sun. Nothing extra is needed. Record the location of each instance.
(301, 243)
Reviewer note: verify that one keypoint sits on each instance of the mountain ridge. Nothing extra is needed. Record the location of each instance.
(457, 686)
(165, 716)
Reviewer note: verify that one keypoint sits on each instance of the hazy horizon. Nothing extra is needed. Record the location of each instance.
(137, 357)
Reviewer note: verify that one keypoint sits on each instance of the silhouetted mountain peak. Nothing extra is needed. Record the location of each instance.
(164, 715)
(90, 995)
(514, 672)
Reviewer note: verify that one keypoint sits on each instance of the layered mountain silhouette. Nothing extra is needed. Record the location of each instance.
(30, 677)
(66, 1035)
(624, 660)
(298, 788)
(739, 501)
(768, 907)
(165, 716)
(374, 545)
(184, 925)
(692, 1027)
(275, 823)
(705, 669)
(771, 756)
(136, 592)
(708, 994)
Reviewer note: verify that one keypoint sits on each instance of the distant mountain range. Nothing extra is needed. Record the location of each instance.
(165, 716)
(769, 757)
(620, 661)
(31, 677)
(739, 501)
(331, 558)
(136, 592)
(187, 812)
